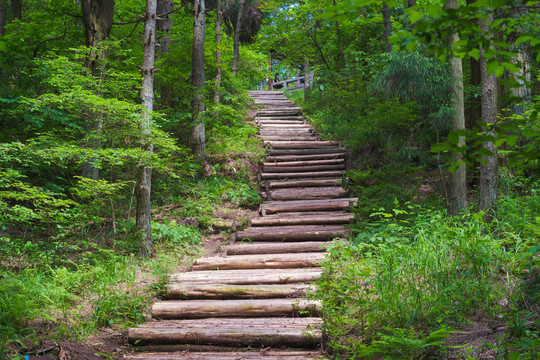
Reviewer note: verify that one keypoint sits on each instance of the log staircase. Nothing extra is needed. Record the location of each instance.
(249, 303)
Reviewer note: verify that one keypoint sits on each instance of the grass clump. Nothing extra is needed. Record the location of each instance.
(437, 277)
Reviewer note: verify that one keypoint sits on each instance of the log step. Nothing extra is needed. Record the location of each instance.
(221, 291)
(276, 248)
(311, 193)
(304, 162)
(298, 218)
(272, 207)
(260, 261)
(277, 125)
(237, 355)
(248, 277)
(330, 150)
(293, 233)
(201, 309)
(302, 168)
(301, 144)
(280, 184)
(288, 138)
(291, 158)
(294, 332)
(297, 175)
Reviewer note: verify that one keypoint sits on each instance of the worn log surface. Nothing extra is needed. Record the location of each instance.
(273, 207)
(222, 291)
(238, 355)
(280, 184)
(276, 247)
(248, 277)
(201, 309)
(253, 294)
(260, 261)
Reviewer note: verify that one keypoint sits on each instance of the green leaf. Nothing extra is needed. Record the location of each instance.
(483, 151)
(511, 67)
(415, 16)
(499, 71)
(453, 138)
(475, 53)
(492, 65)
(523, 39)
(499, 142)
(512, 140)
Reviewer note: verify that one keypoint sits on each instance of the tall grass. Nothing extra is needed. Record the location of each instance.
(441, 274)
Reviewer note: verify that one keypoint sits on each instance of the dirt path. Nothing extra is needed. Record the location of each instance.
(252, 296)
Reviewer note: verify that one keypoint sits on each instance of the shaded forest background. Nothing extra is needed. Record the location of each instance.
(420, 277)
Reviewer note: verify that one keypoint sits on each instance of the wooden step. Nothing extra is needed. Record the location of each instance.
(272, 207)
(277, 125)
(297, 175)
(202, 309)
(288, 138)
(222, 291)
(310, 218)
(301, 144)
(293, 233)
(310, 193)
(248, 277)
(266, 354)
(280, 184)
(276, 247)
(304, 162)
(259, 261)
(331, 150)
(287, 158)
(293, 332)
(302, 168)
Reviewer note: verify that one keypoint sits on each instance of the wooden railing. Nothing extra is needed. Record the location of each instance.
(289, 84)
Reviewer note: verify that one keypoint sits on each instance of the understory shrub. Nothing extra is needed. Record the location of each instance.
(429, 274)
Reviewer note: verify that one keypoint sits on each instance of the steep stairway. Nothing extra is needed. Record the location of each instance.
(250, 302)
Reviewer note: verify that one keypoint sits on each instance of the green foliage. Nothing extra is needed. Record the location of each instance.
(430, 272)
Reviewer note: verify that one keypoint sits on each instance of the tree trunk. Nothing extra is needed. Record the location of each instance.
(144, 178)
(16, 9)
(457, 191)
(474, 111)
(197, 78)
(411, 3)
(164, 23)
(340, 43)
(237, 30)
(97, 20)
(488, 169)
(306, 79)
(3, 17)
(219, 16)
(523, 78)
(387, 27)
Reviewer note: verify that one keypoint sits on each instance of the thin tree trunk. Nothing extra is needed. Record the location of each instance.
(340, 43)
(488, 169)
(197, 78)
(144, 173)
(522, 92)
(16, 9)
(474, 111)
(411, 3)
(219, 16)
(164, 23)
(457, 192)
(306, 79)
(237, 30)
(387, 27)
(3, 17)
